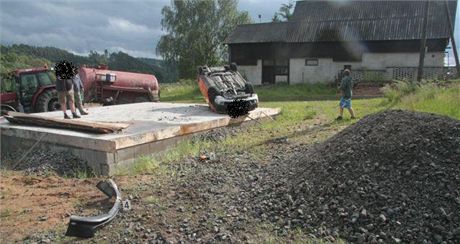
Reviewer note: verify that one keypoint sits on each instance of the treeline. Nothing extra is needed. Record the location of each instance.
(24, 56)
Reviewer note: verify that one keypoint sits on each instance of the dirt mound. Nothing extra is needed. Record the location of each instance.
(393, 176)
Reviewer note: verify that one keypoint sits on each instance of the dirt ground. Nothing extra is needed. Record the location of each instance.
(32, 204)
(183, 201)
(367, 90)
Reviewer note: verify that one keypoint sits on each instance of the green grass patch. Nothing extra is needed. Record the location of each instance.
(188, 91)
(5, 213)
(431, 99)
(183, 91)
(297, 92)
(156, 164)
(428, 97)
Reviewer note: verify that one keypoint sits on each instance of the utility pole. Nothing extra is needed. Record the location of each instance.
(423, 42)
(452, 39)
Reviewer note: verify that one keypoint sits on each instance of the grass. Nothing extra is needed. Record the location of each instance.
(298, 116)
(187, 91)
(297, 92)
(436, 98)
(5, 213)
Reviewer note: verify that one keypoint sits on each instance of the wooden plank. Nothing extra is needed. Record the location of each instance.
(79, 125)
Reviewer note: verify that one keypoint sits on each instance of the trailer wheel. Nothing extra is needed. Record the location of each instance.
(48, 101)
(141, 99)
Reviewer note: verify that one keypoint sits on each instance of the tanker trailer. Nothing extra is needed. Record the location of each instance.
(118, 87)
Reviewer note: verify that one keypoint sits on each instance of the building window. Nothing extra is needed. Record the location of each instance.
(311, 62)
(267, 62)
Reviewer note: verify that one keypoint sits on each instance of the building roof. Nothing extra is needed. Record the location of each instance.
(378, 20)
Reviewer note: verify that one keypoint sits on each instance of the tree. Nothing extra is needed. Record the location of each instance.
(196, 31)
(284, 12)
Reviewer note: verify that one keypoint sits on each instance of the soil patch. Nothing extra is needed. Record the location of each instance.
(31, 204)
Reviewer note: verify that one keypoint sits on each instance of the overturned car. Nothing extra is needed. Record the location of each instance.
(226, 91)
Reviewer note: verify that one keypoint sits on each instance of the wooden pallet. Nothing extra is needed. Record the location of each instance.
(78, 125)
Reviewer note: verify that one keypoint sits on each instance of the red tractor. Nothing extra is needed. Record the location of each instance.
(34, 90)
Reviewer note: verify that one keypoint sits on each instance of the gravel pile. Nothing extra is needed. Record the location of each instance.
(42, 163)
(392, 177)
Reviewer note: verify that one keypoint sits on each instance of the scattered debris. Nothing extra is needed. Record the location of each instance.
(79, 125)
(87, 226)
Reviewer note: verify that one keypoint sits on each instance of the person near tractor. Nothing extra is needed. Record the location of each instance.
(79, 91)
(64, 87)
(346, 87)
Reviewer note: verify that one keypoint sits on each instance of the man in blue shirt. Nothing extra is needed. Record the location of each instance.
(346, 86)
(78, 91)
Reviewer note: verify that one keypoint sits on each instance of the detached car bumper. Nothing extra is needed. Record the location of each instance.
(86, 226)
(221, 103)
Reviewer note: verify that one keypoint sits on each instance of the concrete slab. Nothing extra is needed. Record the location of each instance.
(152, 126)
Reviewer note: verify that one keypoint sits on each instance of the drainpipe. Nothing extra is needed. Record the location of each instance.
(452, 39)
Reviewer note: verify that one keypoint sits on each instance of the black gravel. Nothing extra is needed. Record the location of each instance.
(392, 177)
(40, 162)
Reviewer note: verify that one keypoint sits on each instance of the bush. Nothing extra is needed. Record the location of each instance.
(395, 91)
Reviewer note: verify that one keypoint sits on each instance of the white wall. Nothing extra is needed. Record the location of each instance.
(325, 72)
(383, 60)
(253, 73)
(327, 69)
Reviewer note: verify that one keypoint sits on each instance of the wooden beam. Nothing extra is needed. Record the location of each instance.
(78, 125)
(423, 42)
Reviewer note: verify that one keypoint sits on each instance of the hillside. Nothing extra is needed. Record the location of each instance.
(22, 56)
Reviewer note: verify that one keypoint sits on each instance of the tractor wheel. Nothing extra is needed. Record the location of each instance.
(48, 101)
(6, 108)
(248, 88)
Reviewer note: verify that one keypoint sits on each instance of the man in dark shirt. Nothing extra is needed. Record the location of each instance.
(64, 88)
(346, 86)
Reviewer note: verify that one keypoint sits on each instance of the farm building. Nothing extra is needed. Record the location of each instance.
(377, 40)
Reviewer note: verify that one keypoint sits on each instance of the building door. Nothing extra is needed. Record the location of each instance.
(268, 71)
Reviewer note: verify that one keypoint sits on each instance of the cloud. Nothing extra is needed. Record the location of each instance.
(131, 26)
(124, 25)
(81, 26)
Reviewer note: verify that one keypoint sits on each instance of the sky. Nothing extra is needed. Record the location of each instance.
(79, 26)
(130, 26)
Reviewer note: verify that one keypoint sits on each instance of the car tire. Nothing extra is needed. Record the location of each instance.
(249, 88)
(212, 93)
(233, 67)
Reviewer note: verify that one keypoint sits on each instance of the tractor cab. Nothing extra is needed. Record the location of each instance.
(29, 90)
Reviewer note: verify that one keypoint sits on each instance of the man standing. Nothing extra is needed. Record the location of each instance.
(64, 87)
(79, 91)
(346, 86)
